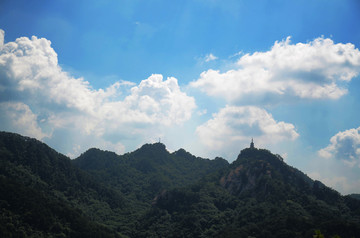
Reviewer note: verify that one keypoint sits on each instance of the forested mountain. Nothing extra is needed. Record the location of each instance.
(153, 193)
(107, 196)
(354, 195)
(144, 173)
(258, 195)
(43, 195)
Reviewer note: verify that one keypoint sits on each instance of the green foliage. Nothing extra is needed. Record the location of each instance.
(41, 193)
(356, 196)
(318, 234)
(144, 173)
(260, 196)
(28, 212)
(153, 193)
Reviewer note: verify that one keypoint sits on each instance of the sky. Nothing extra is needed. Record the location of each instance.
(203, 75)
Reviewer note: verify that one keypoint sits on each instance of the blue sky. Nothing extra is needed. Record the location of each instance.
(203, 75)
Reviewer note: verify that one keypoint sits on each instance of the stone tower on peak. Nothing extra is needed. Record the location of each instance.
(252, 146)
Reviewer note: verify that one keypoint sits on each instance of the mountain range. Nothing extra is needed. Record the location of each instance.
(151, 192)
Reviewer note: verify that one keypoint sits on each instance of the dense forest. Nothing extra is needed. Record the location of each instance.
(153, 193)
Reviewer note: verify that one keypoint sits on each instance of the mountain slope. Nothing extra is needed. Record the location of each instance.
(142, 174)
(42, 194)
(258, 195)
(153, 193)
(104, 199)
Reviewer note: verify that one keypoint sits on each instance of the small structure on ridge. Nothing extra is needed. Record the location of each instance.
(252, 146)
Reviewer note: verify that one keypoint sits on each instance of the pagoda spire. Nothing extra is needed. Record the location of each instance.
(252, 146)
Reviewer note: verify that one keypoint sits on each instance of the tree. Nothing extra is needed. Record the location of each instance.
(318, 234)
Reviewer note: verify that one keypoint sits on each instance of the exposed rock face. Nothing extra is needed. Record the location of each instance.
(244, 178)
(259, 173)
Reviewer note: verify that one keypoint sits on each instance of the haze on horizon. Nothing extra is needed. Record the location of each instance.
(206, 76)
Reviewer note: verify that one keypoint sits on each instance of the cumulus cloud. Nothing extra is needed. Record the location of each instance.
(33, 84)
(18, 117)
(339, 183)
(313, 70)
(29, 69)
(344, 146)
(233, 126)
(161, 100)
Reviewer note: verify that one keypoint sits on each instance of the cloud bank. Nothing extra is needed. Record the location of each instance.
(19, 118)
(341, 183)
(315, 70)
(233, 126)
(38, 98)
(344, 146)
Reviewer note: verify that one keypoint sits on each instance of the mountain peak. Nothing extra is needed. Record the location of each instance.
(154, 146)
(258, 171)
(155, 149)
(183, 153)
(95, 158)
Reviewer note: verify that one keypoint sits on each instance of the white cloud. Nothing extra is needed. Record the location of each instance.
(314, 70)
(344, 146)
(236, 54)
(2, 36)
(162, 100)
(30, 75)
(234, 126)
(210, 57)
(18, 117)
(340, 183)
(202, 112)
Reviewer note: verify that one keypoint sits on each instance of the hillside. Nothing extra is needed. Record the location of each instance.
(258, 196)
(105, 197)
(153, 193)
(144, 173)
(42, 194)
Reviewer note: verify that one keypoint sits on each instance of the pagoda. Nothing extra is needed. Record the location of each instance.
(252, 146)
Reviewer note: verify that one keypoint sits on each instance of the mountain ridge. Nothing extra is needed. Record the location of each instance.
(42, 193)
(151, 192)
(264, 197)
(151, 162)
